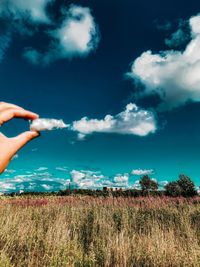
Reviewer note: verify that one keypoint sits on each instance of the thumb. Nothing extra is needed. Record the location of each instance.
(22, 139)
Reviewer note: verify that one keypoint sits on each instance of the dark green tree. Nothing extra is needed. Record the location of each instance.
(187, 186)
(173, 189)
(147, 184)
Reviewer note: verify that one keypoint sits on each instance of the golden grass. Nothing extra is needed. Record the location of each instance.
(86, 231)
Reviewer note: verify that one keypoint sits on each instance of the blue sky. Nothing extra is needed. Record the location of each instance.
(123, 74)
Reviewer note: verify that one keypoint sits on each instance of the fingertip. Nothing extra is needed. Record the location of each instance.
(34, 134)
(33, 116)
(29, 135)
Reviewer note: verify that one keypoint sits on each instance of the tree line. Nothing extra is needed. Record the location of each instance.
(183, 186)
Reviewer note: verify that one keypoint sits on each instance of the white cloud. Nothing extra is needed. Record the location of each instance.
(47, 187)
(34, 10)
(62, 169)
(132, 120)
(173, 75)
(45, 181)
(47, 124)
(5, 186)
(77, 36)
(77, 176)
(142, 172)
(83, 176)
(86, 179)
(93, 180)
(87, 183)
(41, 169)
(35, 181)
(121, 179)
(78, 33)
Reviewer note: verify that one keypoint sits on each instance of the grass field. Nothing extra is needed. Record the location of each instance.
(86, 231)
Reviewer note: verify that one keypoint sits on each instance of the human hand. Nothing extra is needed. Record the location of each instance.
(10, 146)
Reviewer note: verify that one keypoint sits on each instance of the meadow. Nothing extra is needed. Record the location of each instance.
(99, 231)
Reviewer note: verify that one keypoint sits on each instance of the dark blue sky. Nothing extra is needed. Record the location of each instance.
(95, 85)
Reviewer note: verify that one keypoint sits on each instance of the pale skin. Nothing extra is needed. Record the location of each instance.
(10, 146)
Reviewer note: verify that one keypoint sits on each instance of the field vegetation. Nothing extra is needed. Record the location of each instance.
(55, 231)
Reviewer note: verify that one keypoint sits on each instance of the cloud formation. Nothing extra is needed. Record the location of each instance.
(35, 181)
(132, 121)
(142, 172)
(121, 180)
(43, 179)
(32, 10)
(47, 125)
(21, 17)
(95, 180)
(76, 37)
(173, 75)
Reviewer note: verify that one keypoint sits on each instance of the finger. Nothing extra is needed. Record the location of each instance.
(22, 139)
(4, 105)
(9, 114)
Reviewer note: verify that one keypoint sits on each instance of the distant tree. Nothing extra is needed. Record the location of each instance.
(147, 184)
(187, 186)
(173, 189)
(184, 186)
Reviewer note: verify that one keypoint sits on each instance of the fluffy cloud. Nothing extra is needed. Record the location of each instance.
(142, 172)
(86, 179)
(173, 75)
(121, 180)
(95, 180)
(132, 120)
(42, 180)
(34, 10)
(47, 124)
(77, 176)
(78, 33)
(77, 36)
(34, 181)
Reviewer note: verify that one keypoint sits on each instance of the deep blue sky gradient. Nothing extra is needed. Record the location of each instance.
(95, 86)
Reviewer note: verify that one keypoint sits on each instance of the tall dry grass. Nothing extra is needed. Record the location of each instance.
(85, 231)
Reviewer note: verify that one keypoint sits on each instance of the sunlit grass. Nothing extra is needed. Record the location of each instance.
(86, 231)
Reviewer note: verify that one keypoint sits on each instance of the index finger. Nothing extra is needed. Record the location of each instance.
(9, 114)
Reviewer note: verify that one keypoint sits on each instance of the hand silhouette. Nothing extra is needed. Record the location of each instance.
(10, 146)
